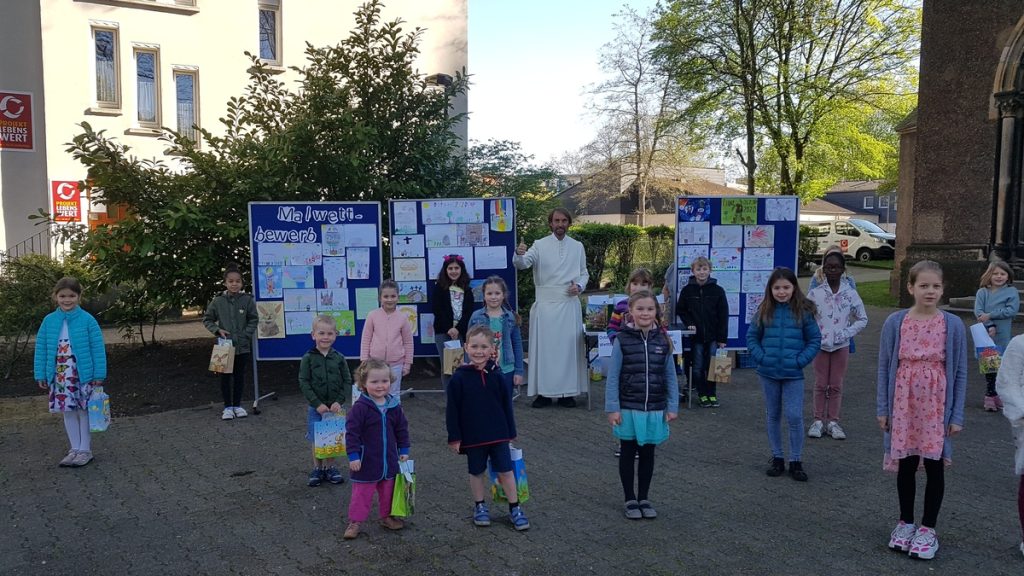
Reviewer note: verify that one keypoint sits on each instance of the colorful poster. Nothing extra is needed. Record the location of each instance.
(366, 300)
(727, 237)
(273, 254)
(296, 300)
(739, 211)
(329, 299)
(752, 303)
(729, 281)
(358, 263)
(297, 276)
(755, 280)
(333, 236)
(694, 209)
(477, 287)
(345, 320)
(759, 236)
(502, 219)
(694, 233)
(687, 254)
(466, 211)
(302, 254)
(361, 235)
(299, 322)
(405, 217)
(427, 328)
(491, 258)
(408, 246)
(435, 212)
(412, 317)
(435, 259)
(412, 292)
(725, 258)
(683, 278)
(473, 235)
(271, 282)
(780, 209)
(759, 259)
(271, 323)
(410, 270)
(442, 235)
(334, 270)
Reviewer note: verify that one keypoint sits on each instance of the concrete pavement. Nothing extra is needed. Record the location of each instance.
(184, 493)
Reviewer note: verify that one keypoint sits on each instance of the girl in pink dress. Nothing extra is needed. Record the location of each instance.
(922, 382)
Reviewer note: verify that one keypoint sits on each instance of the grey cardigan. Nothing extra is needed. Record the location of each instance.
(956, 372)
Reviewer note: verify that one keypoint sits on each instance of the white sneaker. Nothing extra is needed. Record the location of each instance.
(228, 414)
(925, 544)
(836, 431)
(815, 430)
(901, 536)
(240, 412)
(1022, 547)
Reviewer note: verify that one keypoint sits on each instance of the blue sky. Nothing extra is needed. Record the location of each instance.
(530, 62)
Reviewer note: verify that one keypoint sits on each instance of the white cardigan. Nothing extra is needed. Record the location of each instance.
(1010, 386)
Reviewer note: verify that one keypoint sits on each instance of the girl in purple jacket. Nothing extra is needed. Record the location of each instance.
(376, 438)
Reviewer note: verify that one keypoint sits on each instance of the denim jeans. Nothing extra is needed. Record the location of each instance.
(784, 397)
(702, 353)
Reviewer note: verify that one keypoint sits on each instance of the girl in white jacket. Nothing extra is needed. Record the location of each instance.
(1010, 387)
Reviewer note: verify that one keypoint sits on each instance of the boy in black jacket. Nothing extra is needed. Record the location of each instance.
(703, 307)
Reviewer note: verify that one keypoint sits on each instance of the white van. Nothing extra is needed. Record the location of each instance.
(860, 239)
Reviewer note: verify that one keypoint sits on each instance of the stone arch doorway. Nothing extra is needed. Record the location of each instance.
(1008, 110)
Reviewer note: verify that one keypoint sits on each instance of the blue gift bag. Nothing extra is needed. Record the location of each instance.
(99, 410)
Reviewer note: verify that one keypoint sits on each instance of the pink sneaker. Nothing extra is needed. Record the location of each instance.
(999, 401)
(990, 404)
(925, 544)
(901, 536)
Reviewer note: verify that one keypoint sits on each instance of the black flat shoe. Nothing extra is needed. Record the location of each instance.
(567, 402)
(777, 467)
(541, 401)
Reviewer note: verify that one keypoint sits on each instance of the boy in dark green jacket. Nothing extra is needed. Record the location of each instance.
(323, 378)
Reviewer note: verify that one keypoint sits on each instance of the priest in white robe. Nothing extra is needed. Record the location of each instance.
(558, 364)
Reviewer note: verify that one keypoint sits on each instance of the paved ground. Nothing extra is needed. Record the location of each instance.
(184, 493)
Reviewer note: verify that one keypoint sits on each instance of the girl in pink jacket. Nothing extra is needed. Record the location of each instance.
(387, 336)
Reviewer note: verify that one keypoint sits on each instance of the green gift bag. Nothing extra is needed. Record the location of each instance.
(403, 501)
(522, 485)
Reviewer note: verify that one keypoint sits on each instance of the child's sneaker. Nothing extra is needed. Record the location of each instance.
(239, 412)
(777, 467)
(633, 510)
(68, 460)
(925, 544)
(647, 509)
(392, 523)
(999, 401)
(481, 515)
(836, 431)
(815, 430)
(901, 536)
(227, 414)
(990, 404)
(334, 475)
(705, 402)
(315, 477)
(519, 521)
(713, 401)
(351, 531)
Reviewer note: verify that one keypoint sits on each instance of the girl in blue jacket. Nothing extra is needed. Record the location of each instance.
(70, 359)
(996, 304)
(782, 339)
(508, 341)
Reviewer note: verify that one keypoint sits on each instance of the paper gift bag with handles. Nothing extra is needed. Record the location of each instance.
(522, 483)
(403, 500)
(329, 436)
(721, 366)
(99, 410)
(222, 360)
(452, 357)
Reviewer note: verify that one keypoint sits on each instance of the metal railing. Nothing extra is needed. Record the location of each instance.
(41, 242)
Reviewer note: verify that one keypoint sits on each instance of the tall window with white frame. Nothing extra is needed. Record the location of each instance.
(147, 82)
(108, 93)
(186, 91)
(270, 31)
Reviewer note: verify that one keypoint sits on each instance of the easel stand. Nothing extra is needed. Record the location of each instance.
(256, 387)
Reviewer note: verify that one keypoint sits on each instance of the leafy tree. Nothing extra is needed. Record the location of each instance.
(500, 168)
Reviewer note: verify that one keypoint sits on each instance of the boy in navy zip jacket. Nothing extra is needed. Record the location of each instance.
(481, 425)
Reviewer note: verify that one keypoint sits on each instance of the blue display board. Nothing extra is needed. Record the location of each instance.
(745, 238)
(312, 258)
(423, 232)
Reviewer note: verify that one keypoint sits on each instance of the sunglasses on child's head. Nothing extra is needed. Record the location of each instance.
(452, 258)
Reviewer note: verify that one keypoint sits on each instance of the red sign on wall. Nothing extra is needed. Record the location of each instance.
(67, 201)
(16, 131)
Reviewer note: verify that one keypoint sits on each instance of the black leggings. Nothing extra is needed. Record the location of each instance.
(990, 384)
(233, 394)
(645, 469)
(934, 488)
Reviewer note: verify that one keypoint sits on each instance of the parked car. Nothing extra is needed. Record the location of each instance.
(860, 239)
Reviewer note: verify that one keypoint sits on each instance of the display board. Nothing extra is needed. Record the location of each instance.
(423, 232)
(312, 258)
(745, 238)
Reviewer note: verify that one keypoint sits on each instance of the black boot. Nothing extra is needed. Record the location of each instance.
(777, 467)
(796, 470)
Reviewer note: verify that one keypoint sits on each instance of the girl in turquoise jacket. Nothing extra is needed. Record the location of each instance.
(70, 359)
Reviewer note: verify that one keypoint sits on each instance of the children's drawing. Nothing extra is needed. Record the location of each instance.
(473, 235)
(358, 263)
(502, 219)
(412, 292)
(412, 317)
(477, 287)
(491, 258)
(687, 254)
(270, 281)
(296, 300)
(734, 327)
(780, 209)
(759, 236)
(427, 328)
(333, 236)
(273, 254)
(366, 300)
(404, 214)
(466, 211)
(297, 276)
(694, 210)
(694, 233)
(755, 280)
(299, 322)
(302, 254)
(361, 235)
(410, 269)
(328, 299)
(733, 298)
(725, 259)
(683, 278)
(408, 246)
(435, 258)
(271, 323)
(759, 259)
(752, 301)
(739, 211)
(442, 235)
(729, 281)
(345, 320)
(334, 273)
(435, 212)
(727, 237)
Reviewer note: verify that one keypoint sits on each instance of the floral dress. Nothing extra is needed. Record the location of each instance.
(919, 398)
(67, 392)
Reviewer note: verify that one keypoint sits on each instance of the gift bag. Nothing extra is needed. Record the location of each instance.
(99, 410)
(452, 358)
(329, 436)
(403, 501)
(222, 360)
(989, 360)
(721, 366)
(522, 484)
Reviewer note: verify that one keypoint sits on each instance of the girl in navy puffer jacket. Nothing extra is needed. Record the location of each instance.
(782, 339)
